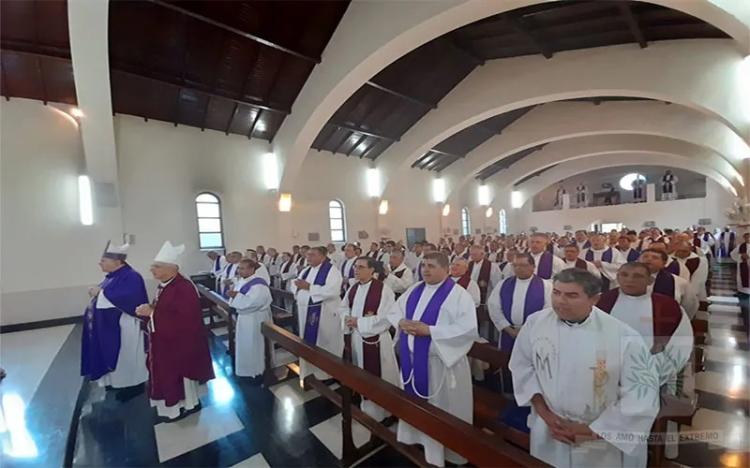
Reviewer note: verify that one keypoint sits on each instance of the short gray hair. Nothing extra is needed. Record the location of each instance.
(591, 284)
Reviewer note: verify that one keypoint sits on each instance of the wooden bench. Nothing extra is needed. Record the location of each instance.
(479, 447)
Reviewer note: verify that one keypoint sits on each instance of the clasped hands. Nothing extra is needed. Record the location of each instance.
(144, 310)
(414, 327)
(302, 284)
(564, 430)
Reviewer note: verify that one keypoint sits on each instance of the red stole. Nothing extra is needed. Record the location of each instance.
(666, 316)
(483, 280)
(581, 264)
(464, 280)
(692, 265)
(744, 271)
(371, 345)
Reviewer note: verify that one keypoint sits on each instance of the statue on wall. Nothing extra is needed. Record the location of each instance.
(669, 186)
(559, 195)
(582, 195)
(639, 189)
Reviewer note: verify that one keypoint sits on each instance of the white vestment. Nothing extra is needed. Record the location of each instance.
(683, 293)
(608, 269)
(698, 278)
(253, 308)
(737, 257)
(590, 267)
(558, 264)
(495, 306)
(262, 272)
(495, 275)
(131, 361)
(369, 326)
(450, 383)
(473, 289)
(399, 285)
(330, 335)
(599, 373)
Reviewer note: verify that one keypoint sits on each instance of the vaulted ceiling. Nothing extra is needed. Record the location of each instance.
(232, 66)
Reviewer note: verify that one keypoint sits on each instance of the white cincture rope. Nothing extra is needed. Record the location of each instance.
(410, 380)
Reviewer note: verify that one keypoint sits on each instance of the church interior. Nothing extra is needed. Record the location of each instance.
(253, 233)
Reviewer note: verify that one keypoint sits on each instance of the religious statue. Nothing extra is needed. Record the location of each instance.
(582, 195)
(669, 186)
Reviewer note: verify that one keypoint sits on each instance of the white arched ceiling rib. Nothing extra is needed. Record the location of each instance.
(392, 30)
(602, 161)
(700, 74)
(563, 120)
(580, 147)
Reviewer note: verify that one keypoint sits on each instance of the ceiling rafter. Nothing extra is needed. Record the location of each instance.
(236, 31)
(353, 128)
(632, 21)
(521, 26)
(403, 96)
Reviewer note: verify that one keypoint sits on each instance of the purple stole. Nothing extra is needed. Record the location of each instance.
(544, 269)
(217, 266)
(502, 266)
(229, 268)
(246, 287)
(664, 284)
(483, 280)
(312, 322)
(345, 283)
(285, 269)
(723, 252)
(606, 257)
(415, 367)
(419, 272)
(534, 302)
(673, 267)
(371, 348)
(744, 271)
(633, 255)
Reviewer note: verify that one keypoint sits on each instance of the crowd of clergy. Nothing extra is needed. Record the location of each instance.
(598, 326)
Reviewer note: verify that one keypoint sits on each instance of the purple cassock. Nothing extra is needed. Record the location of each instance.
(415, 366)
(100, 344)
(534, 303)
(312, 322)
(545, 266)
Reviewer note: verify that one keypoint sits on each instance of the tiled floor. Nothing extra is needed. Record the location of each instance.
(247, 425)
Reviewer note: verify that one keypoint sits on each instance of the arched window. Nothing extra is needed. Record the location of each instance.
(337, 220)
(465, 222)
(210, 226)
(503, 222)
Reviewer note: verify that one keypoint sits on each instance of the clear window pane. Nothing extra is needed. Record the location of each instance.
(207, 198)
(334, 204)
(207, 210)
(334, 212)
(210, 241)
(337, 236)
(209, 225)
(337, 224)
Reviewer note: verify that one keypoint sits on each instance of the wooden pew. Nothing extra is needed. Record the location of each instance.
(219, 306)
(480, 448)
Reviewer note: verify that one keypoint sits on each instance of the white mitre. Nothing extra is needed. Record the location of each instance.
(170, 253)
(114, 251)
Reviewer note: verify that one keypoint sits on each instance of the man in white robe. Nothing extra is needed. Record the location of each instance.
(668, 283)
(336, 255)
(251, 298)
(446, 329)
(317, 290)
(485, 273)
(589, 379)
(218, 262)
(521, 306)
(690, 266)
(546, 265)
(740, 255)
(262, 270)
(664, 326)
(582, 240)
(112, 345)
(414, 257)
(347, 269)
(573, 259)
(228, 274)
(459, 269)
(605, 259)
(399, 276)
(364, 309)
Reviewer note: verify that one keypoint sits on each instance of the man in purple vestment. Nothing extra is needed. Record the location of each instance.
(112, 345)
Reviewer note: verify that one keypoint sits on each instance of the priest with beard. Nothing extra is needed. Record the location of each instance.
(179, 360)
(317, 290)
(589, 378)
(112, 345)
(546, 264)
(364, 309)
(667, 283)
(437, 326)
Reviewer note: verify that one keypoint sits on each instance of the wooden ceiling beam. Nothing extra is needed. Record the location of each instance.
(403, 96)
(233, 30)
(182, 84)
(519, 25)
(635, 29)
(362, 131)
